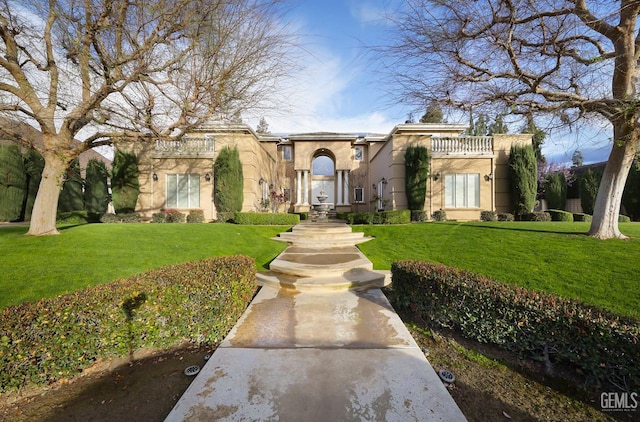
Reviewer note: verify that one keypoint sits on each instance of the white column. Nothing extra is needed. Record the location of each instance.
(298, 187)
(305, 188)
(339, 188)
(346, 188)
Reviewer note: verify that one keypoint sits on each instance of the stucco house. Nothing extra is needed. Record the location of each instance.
(358, 172)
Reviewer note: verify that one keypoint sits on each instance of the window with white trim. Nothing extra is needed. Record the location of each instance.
(358, 195)
(358, 153)
(286, 153)
(183, 191)
(462, 190)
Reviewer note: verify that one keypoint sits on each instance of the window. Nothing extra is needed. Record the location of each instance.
(462, 190)
(286, 153)
(183, 190)
(358, 195)
(323, 166)
(358, 153)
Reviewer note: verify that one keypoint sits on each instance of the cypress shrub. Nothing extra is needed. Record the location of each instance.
(556, 191)
(12, 182)
(416, 164)
(33, 165)
(228, 181)
(589, 185)
(71, 196)
(631, 195)
(125, 186)
(96, 192)
(523, 170)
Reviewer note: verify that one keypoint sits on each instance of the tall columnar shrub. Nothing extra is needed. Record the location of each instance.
(631, 195)
(125, 186)
(96, 192)
(416, 164)
(71, 196)
(589, 184)
(523, 171)
(556, 191)
(228, 181)
(12, 182)
(33, 166)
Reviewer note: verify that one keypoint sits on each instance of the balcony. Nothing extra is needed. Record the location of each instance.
(185, 147)
(462, 145)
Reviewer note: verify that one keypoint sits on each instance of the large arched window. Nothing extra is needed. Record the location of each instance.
(323, 166)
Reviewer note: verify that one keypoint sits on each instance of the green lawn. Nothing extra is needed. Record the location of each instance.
(553, 257)
(35, 267)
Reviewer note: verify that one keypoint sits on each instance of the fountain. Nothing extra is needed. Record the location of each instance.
(322, 208)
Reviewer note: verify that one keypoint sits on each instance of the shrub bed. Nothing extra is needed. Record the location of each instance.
(488, 216)
(419, 216)
(130, 217)
(578, 216)
(439, 215)
(380, 217)
(195, 216)
(266, 218)
(505, 216)
(537, 216)
(560, 215)
(57, 338)
(600, 346)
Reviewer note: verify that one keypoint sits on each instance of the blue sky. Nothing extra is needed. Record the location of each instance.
(337, 88)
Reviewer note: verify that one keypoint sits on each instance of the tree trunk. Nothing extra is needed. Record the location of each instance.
(43, 216)
(607, 208)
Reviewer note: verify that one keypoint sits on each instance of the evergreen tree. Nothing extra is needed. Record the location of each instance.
(433, 114)
(589, 184)
(228, 181)
(556, 191)
(537, 139)
(71, 196)
(125, 186)
(416, 162)
(480, 126)
(12, 182)
(33, 164)
(498, 126)
(523, 171)
(263, 126)
(577, 159)
(96, 191)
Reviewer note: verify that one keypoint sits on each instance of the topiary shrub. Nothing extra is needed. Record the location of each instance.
(225, 217)
(624, 219)
(556, 190)
(537, 216)
(523, 172)
(228, 181)
(578, 216)
(589, 185)
(53, 339)
(418, 216)
(439, 215)
(71, 195)
(271, 218)
(416, 164)
(631, 194)
(125, 186)
(593, 342)
(33, 165)
(96, 192)
(195, 216)
(505, 216)
(488, 216)
(159, 217)
(174, 216)
(560, 215)
(13, 182)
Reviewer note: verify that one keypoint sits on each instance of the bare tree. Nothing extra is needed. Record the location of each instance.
(570, 59)
(87, 73)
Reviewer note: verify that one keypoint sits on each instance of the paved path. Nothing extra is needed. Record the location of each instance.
(303, 353)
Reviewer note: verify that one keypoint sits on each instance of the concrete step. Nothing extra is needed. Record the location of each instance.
(321, 242)
(320, 264)
(351, 280)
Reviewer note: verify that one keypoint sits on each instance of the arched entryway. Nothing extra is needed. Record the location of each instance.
(323, 171)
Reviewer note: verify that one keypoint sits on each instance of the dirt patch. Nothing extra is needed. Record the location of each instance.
(145, 389)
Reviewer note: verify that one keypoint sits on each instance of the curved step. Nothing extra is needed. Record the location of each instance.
(351, 280)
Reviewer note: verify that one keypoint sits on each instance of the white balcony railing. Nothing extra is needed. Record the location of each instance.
(185, 146)
(463, 145)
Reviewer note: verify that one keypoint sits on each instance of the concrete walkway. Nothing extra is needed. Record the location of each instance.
(304, 353)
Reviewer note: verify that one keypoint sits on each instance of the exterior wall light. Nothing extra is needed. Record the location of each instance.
(488, 177)
(384, 181)
(261, 181)
(207, 177)
(154, 177)
(436, 176)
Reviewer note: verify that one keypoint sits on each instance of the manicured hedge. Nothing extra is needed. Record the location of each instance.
(537, 216)
(381, 217)
(600, 346)
(560, 215)
(57, 338)
(578, 216)
(266, 218)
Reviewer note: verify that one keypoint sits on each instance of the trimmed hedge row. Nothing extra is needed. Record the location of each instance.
(57, 338)
(381, 217)
(601, 346)
(560, 215)
(266, 218)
